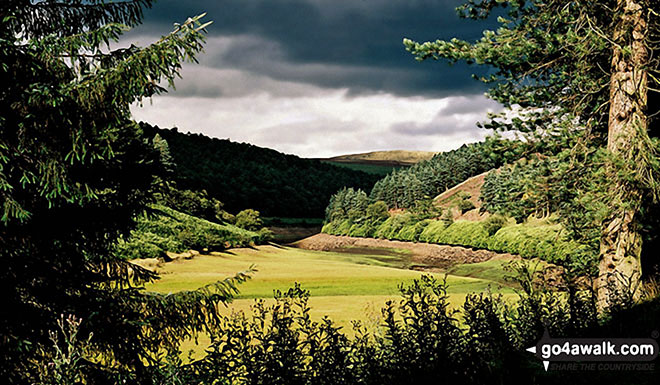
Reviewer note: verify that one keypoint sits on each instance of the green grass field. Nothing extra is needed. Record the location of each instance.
(343, 286)
(493, 270)
(340, 284)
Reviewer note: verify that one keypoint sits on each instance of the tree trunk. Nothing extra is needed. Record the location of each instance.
(621, 242)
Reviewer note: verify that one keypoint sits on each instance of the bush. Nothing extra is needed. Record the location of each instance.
(411, 232)
(164, 229)
(249, 220)
(377, 211)
(391, 227)
(465, 205)
(422, 339)
(541, 240)
(426, 209)
(344, 227)
(139, 247)
(265, 235)
(493, 223)
(195, 203)
(463, 233)
(464, 195)
(364, 229)
(448, 217)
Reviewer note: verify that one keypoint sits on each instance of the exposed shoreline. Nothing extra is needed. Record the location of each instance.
(424, 254)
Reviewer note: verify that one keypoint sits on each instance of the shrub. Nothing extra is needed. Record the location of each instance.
(448, 217)
(464, 233)
(329, 228)
(377, 211)
(431, 231)
(391, 227)
(412, 231)
(364, 229)
(265, 235)
(541, 240)
(344, 227)
(426, 209)
(195, 203)
(422, 339)
(142, 245)
(465, 205)
(464, 195)
(493, 223)
(164, 229)
(248, 219)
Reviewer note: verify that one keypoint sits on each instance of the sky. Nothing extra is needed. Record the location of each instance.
(319, 78)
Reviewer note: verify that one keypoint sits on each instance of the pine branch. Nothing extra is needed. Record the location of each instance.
(69, 17)
(121, 273)
(168, 319)
(141, 70)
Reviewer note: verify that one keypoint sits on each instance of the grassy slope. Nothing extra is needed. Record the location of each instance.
(471, 186)
(379, 162)
(400, 156)
(341, 285)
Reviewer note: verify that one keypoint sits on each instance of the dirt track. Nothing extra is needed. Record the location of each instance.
(439, 256)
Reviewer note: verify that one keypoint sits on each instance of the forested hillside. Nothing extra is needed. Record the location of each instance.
(164, 229)
(566, 238)
(543, 201)
(244, 176)
(403, 188)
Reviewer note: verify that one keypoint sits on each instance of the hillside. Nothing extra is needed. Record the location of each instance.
(439, 201)
(379, 163)
(164, 230)
(395, 157)
(471, 188)
(425, 180)
(244, 176)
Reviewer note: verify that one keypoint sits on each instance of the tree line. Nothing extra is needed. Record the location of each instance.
(245, 176)
(425, 180)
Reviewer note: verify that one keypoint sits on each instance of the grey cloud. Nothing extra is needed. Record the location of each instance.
(331, 44)
(321, 77)
(302, 132)
(199, 81)
(460, 115)
(466, 105)
(441, 126)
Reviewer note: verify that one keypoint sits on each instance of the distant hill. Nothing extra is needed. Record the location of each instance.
(244, 176)
(380, 162)
(397, 157)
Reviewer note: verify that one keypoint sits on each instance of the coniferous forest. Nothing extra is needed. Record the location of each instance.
(245, 176)
(137, 255)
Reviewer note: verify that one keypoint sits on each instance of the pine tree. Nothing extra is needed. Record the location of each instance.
(594, 61)
(75, 171)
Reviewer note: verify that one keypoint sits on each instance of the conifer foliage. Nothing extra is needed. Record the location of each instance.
(75, 171)
(404, 188)
(594, 63)
(244, 176)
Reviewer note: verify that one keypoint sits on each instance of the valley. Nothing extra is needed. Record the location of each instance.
(345, 284)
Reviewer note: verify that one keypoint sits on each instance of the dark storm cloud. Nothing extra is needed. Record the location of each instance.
(330, 43)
